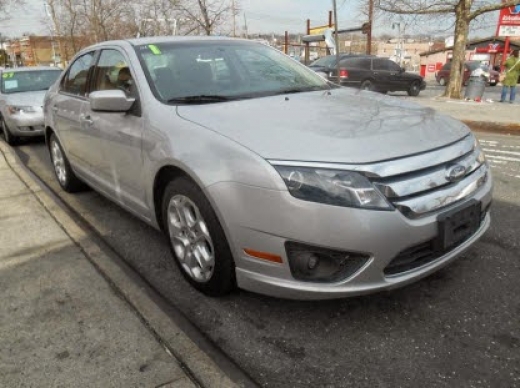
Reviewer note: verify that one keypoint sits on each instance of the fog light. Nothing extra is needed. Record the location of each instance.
(316, 264)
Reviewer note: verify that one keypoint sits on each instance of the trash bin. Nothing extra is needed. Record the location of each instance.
(475, 88)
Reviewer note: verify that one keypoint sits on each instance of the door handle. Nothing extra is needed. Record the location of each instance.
(86, 120)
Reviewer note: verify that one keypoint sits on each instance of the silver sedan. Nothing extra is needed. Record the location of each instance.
(21, 100)
(261, 173)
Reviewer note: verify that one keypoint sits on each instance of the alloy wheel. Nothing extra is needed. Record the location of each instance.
(190, 238)
(58, 162)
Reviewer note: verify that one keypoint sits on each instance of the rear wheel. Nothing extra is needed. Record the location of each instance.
(367, 85)
(442, 81)
(196, 238)
(414, 89)
(8, 136)
(66, 177)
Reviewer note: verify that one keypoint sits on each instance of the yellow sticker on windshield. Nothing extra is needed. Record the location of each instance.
(154, 49)
(7, 75)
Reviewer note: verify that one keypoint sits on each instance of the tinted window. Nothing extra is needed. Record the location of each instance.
(392, 66)
(28, 81)
(357, 63)
(227, 69)
(112, 72)
(75, 81)
(380, 64)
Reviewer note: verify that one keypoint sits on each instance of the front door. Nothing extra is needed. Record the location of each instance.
(119, 135)
(67, 107)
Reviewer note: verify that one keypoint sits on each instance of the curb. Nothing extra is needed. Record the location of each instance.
(492, 126)
(197, 365)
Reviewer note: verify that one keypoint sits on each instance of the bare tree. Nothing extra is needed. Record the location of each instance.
(463, 11)
(208, 15)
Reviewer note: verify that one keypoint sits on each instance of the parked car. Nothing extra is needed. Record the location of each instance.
(443, 75)
(327, 64)
(265, 175)
(22, 91)
(372, 73)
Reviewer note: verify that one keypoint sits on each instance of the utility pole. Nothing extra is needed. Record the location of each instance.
(245, 26)
(233, 4)
(336, 36)
(369, 34)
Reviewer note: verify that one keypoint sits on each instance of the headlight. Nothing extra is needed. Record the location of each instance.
(333, 187)
(14, 109)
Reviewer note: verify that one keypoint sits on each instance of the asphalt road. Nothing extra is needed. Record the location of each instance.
(457, 328)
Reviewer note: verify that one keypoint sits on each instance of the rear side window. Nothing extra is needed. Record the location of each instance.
(75, 81)
(381, 64)
(356, 63)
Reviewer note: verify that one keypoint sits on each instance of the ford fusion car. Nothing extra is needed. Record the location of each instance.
(21, 100)
(264, 175)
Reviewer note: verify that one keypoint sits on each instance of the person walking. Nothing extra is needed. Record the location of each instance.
(512, 73)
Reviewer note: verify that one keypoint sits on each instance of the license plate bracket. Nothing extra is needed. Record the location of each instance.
(458, 224)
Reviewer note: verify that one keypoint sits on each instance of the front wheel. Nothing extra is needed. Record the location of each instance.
(8, 136)
(196, 238)
(414, 89)
(442, 81)
(367, 85)
(66, 177)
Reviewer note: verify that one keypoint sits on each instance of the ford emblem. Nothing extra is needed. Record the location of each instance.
(455, 173)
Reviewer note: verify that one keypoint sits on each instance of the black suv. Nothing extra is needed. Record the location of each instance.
(370, 73)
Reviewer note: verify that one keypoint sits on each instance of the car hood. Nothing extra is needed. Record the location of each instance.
(25, 98)
(343, 126)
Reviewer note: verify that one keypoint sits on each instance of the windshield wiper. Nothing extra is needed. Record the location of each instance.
(300, 90)
(202, 98)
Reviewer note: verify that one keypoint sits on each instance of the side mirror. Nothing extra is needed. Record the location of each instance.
(110, 101)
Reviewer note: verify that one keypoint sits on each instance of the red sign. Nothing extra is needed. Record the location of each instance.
(431, 68)
(509, 16)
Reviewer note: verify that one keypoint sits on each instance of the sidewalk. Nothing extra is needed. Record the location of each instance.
(485, 115)
(62, 323)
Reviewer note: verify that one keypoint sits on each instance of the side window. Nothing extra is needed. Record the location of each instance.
(380, 64)
(392, 66)
(112, 72)
(75, 81)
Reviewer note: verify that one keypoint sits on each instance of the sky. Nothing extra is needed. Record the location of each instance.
(263, 16)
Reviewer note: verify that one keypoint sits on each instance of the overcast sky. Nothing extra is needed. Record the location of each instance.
(262, 16)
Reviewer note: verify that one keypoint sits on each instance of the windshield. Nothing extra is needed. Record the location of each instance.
(28, 81)
(216, 71)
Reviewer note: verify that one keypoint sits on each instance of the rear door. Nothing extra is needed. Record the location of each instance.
(384, 79)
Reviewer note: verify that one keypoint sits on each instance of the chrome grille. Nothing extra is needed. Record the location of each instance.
(420, 192)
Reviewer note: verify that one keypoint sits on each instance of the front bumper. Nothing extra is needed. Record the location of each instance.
(264, 220)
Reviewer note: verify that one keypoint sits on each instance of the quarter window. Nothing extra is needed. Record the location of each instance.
(75, 81)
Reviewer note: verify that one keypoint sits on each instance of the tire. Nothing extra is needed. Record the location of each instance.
(367, 85)
(442, 81)
(8, 137)
(414, 89)
(196, 238)
(493, 84)
(383, 91)
(66, 177)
